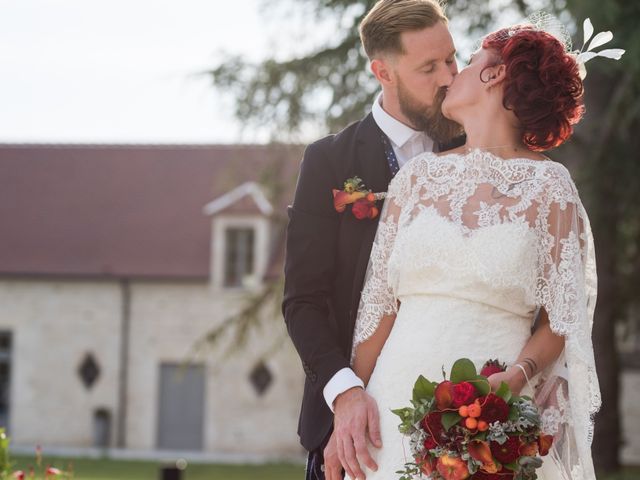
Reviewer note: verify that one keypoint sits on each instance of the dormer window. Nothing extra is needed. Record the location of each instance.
(239, 258)
(240, 237)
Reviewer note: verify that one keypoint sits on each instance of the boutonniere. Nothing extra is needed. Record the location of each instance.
(363, 199)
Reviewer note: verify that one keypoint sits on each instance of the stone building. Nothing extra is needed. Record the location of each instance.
(115, 261)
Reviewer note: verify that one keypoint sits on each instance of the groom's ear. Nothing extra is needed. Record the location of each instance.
(382, 71)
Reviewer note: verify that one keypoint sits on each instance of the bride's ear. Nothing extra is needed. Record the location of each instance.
(492, 76)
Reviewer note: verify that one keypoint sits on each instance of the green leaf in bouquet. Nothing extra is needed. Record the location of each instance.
(463, 370)
(504, 392)
(423, 389)
(513, 466)
(530, 462)
(404, 413)
(480, 436)
(449, 419)
(482, 385)
(514, 413)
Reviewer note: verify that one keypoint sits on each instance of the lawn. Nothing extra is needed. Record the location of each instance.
(88, 469)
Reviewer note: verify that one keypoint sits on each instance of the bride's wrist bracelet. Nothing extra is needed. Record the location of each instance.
(524, 371)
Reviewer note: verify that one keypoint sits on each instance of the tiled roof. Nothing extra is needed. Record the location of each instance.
(125, 210)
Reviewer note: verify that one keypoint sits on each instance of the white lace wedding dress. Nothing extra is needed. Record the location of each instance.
(470, 246)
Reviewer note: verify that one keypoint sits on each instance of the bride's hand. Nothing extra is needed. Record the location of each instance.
(512, 377)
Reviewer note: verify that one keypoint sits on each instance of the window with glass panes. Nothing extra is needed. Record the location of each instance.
(239, 255)
(5, 376)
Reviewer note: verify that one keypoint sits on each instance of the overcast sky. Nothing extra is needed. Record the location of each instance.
(121, 70)
(111, 71)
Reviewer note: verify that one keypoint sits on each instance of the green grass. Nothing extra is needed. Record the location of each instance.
(90, 469)
(630, 473)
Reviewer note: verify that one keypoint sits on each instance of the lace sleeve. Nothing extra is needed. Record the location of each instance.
(568, 393)
(378, 296)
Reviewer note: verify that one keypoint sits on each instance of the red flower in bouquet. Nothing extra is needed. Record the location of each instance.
(491, 367)
(427, 464)
(452, 468)
(432, 424)
(481, 451)
(529, 449)
(508, 452)
(463, 394)
(444, 394)
(494, 409)
(544, 444)
(430, 443)
(503, 474)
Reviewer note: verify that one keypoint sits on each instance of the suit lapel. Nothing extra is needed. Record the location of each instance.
(371, 165)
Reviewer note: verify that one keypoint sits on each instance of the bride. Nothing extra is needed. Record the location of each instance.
(473, 243)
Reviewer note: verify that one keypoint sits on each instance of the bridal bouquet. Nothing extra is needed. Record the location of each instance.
(458, 429)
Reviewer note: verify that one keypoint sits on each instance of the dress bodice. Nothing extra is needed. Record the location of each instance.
(494, 265)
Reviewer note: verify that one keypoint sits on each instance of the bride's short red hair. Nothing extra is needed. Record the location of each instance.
(542, 84)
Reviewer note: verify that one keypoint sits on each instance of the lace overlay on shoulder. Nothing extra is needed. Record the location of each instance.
(547, 261)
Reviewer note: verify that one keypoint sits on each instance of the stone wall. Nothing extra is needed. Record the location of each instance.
(56, 323)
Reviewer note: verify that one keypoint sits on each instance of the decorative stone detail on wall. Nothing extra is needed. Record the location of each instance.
(89, 371)
(261, 378)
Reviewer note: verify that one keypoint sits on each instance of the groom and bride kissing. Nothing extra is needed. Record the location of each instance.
(473, 246)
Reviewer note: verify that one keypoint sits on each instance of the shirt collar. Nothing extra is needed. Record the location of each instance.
(398, 132)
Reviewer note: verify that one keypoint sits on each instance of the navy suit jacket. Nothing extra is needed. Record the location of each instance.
(326, 260)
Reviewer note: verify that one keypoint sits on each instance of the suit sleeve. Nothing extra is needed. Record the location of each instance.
(310, 258)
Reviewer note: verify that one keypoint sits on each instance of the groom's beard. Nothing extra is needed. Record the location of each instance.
(428, 119)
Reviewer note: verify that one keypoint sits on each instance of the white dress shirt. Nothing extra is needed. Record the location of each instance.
(406, 143)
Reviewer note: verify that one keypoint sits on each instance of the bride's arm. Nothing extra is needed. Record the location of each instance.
(541, 350)
(367, 352)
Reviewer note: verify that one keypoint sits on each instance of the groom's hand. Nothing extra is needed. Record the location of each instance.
(356, 414)
(332, 465)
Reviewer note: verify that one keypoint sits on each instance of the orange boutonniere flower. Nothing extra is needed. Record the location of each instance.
(363, 199)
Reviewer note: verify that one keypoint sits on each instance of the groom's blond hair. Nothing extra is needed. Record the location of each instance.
(381, 28)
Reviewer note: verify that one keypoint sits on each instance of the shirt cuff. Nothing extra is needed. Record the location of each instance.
(341, 381)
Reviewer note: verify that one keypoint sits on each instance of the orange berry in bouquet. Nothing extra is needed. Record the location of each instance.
(474, 410)
(471, 423)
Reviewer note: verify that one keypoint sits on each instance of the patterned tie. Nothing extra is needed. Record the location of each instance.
(390, 155)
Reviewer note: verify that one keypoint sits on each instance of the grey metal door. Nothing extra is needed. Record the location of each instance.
(181, 409)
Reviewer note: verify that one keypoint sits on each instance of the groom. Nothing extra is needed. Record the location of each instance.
(412, 56)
